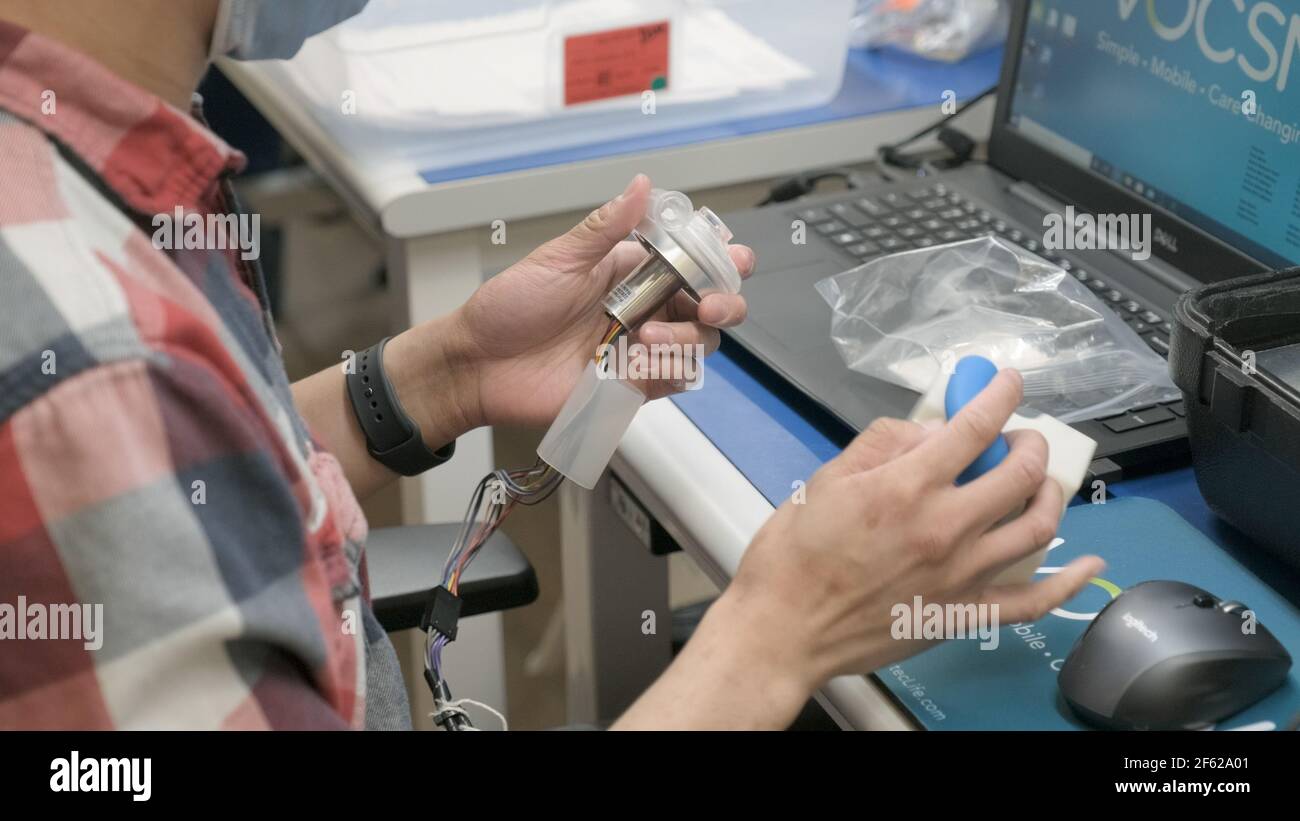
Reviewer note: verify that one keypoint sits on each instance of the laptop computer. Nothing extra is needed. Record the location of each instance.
(1110, 107)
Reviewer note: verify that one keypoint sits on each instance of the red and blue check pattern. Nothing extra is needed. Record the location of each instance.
(151, 459)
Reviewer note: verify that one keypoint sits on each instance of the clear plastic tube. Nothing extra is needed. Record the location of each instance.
(590, 425)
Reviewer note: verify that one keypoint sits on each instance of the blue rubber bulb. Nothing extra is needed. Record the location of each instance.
(972, 375)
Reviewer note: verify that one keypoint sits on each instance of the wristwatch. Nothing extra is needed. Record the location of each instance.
(392, 437)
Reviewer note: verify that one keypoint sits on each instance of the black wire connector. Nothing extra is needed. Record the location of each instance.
(961, 145)
(801, 185)
(442, 613)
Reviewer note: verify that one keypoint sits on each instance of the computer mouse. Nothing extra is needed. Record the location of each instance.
(1166, 655)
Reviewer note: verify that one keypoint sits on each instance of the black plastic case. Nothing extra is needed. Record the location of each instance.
(1243, 420)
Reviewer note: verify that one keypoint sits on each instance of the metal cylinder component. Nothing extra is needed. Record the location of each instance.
(642, 292)
(687, 251)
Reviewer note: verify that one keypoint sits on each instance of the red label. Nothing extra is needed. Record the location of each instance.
(615, 63)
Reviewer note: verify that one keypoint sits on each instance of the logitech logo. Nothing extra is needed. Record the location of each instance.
(1141, 627)
(1268, 66)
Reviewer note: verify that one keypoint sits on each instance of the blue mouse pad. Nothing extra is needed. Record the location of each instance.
(958, 686)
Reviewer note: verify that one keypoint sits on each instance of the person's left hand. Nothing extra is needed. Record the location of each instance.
(531, 330)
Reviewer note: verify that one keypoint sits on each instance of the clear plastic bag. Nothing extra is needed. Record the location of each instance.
(938, 29)
(904, 318)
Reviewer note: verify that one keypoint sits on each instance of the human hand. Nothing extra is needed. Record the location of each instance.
(884, 523)
(530, 331)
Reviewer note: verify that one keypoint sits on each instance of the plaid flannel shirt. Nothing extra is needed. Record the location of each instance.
(151, 459)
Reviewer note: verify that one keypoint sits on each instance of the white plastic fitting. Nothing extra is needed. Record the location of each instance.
(1069, 454)
(687, 252)
(700, 234)
(592, 422)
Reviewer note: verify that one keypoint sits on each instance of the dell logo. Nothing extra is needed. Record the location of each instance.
(1166, 240)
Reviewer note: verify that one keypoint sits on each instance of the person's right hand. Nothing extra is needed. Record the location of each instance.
(880, 524)
(884, 522)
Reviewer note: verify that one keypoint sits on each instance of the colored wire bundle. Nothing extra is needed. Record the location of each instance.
(615, 328)
(494, 497)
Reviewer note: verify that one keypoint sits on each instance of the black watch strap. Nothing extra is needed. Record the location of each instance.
(392, 437)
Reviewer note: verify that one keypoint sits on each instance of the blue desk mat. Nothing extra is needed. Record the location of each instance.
(875, 82)
(776, 438)
(958, 686)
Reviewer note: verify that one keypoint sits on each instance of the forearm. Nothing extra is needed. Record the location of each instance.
(730, 676)
(435, 383)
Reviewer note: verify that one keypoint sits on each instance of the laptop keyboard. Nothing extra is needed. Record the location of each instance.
(884, 223)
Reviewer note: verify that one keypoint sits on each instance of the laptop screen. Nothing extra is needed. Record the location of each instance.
(1193, 105)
